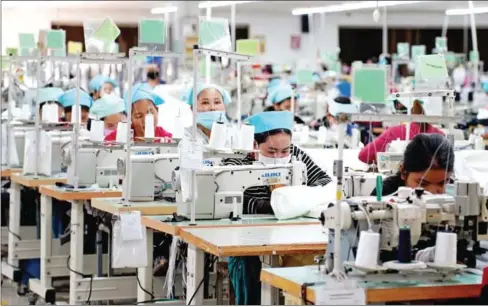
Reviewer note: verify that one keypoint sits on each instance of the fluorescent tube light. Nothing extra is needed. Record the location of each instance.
(208, 4)
(164, 9)
(476, 10)
(349, 7)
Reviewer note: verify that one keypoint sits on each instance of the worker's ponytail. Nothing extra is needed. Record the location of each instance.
(418, 109)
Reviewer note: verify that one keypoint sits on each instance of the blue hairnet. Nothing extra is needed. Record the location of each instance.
(141, 91)
(108, 105)
(272, 120)
(154, 60)
(226, 99)
(292, 80)
(49, 94)
(99, 80)
(484, 85)
(68, 99)
(344, 88)
(273, 83)
(280, 93)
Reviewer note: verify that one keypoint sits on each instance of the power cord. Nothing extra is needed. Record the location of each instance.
(83, 276)
(14, 234)
(147, 292)
(201, 282)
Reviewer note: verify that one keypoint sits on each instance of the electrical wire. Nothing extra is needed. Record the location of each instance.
(140, 286)
(83, 276)
(201, 283)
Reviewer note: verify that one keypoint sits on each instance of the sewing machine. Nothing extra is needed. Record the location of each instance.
(359, 183)
(220, 189)
(151, 174)
(463, 208)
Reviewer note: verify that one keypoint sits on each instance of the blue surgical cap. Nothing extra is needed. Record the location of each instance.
(141, 91)
(344, 88)
(272, 120)
(226, 99)
(292, 80)
(273, 83)
(108, 105)
(68, 99)
(49, 94)
(280, 93)
(154, 60)
(484, 85)
(98, 81)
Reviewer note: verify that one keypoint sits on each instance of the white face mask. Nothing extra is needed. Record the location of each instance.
(271, 161)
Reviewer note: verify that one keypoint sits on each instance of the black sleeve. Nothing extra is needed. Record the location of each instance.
(315, 175)
(257, 205)
(298, 120)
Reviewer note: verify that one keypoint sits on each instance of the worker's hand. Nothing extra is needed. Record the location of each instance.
(276, 186)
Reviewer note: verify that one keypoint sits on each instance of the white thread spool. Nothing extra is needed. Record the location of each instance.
(322, 135)
(179, 128)
(246, 137)
(26, 111)
(149, 126)
(121, 133)
(75, 113)
(97, 131)
(446, 248)
(304, 134)
(232, 137)
(368, 249)
(218, 137)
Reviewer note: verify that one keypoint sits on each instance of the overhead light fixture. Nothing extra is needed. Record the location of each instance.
(476, 10)
(164, 10)
(349, 7)
(209, 4)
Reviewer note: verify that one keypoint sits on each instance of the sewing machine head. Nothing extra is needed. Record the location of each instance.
(150, 176)
(220, 189)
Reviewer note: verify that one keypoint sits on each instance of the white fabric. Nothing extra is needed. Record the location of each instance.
(471, 165)
(324, 158)
(295, 201)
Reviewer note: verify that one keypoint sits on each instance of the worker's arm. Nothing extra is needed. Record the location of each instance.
(315, 175)
(257, 205)
(485, 136)
(368, 153)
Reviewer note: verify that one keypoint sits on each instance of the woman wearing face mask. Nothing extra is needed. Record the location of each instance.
(280, 100)
(211, 102)
(48, 96)
(143, 102)
(110, 109)
(273, 139)
(68, 99)
(368, 153)
(100, 86)
(428, 163)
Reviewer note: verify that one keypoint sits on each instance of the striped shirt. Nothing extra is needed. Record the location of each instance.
(257, 200)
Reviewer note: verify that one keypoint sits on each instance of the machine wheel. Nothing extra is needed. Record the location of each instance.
(32, 298)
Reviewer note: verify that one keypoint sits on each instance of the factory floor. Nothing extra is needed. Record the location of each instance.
(9, 296)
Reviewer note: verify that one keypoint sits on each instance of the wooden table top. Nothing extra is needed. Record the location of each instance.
(163, 223)
(258, 240)
(290, 280)
(35, 182)
(9, 171)
(115, 205)
(68, 195)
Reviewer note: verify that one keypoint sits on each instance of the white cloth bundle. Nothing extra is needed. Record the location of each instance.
(295, 201)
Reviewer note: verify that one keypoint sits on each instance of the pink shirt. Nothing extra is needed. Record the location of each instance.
(368, 153)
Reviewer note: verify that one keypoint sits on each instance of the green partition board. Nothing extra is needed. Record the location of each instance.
(214, 34)
(441, 44)
(248, 46)
(369, 84)
(56, 39)
(403, 50)
(305, 77)
(431, 68)
(27, 40)
(152, 31)
(418, 50)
